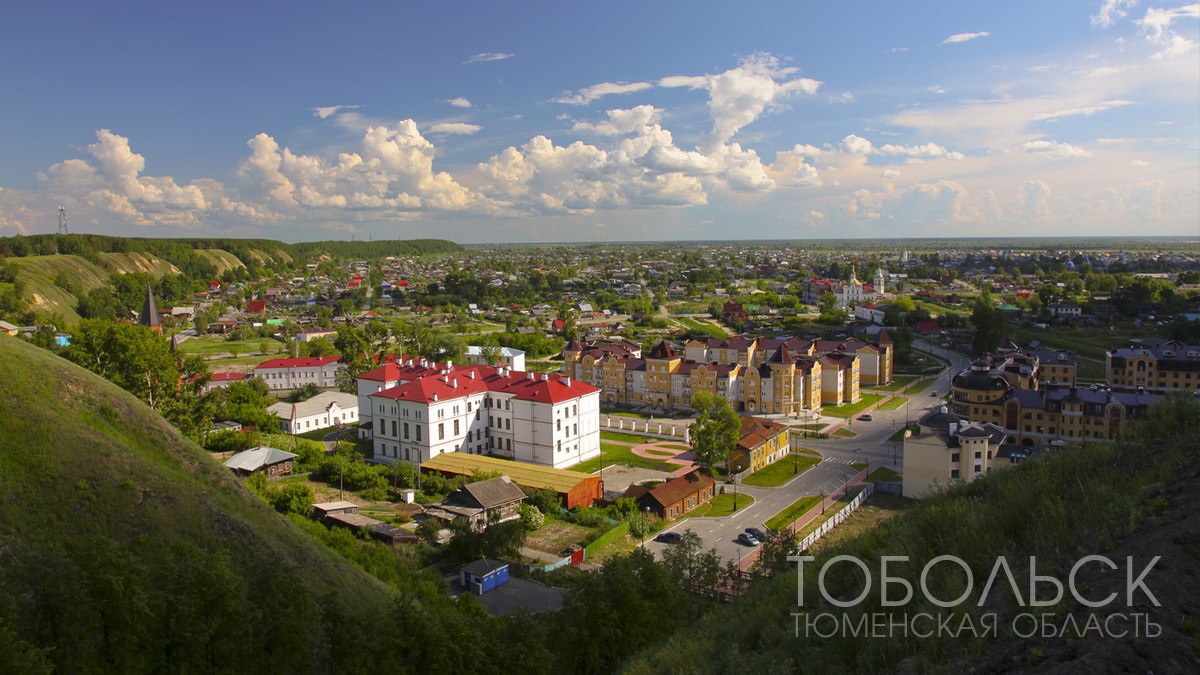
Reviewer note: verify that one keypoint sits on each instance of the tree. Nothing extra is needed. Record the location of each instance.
(989, 323)
(245, 402)
(490, 354)
(716, 430)
(133, 357)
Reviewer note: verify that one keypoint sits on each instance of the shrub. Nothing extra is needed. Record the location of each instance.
(531, 517)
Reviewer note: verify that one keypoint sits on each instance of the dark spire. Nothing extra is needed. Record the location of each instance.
(149, 316)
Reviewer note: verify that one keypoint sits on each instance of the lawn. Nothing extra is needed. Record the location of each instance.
(626, 438)
(703, 327)
(920, 386)
(830, 511)
(210, 346)
(894, 403)
(556, 535)
(898, 436)
(721, 505)
(879, 507)
(852, 409)
(884, 475)
(898, 383)
(844, 433)
(858, 466)
(629, 413)
(612, 453)
(790, 514)
(774, 475)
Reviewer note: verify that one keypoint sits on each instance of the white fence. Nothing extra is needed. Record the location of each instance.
(655, 428)
(837, 518)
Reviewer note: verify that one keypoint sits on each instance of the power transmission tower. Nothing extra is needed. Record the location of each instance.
(62, 220)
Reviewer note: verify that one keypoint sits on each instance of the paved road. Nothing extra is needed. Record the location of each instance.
(870, 445)
(719, 533)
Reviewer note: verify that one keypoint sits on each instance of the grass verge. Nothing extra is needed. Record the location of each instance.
(791, 513)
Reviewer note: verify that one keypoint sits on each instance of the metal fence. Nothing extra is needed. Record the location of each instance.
(838, 517)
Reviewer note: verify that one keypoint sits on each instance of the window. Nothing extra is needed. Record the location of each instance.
(418, 433)
(456, 427)
(953, 474)
(954, 458)
(441, 431)
(406, 431)
(558, 425)
(394, 427)
(507, 424)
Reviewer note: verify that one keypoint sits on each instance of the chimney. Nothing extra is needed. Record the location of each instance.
(435, 398)
(545, 377)
(471, 373)
(449, 365)
(567, 381)
(454, 383)
(529, 375)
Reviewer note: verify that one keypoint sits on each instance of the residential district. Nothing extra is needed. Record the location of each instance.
(612, 397)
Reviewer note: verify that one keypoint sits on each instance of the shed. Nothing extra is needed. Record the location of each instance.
(483, 575)
(272, 461)
(323, 509)
(574, 488)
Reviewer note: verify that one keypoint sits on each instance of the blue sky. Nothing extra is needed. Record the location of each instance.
(553, 121)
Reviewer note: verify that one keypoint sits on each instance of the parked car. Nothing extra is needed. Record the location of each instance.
(669, 538)
(756, 533)
(933, 394)
(746, 539)
(864, 418)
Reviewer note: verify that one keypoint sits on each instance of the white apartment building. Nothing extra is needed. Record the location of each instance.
(542, 419)
(295, 373)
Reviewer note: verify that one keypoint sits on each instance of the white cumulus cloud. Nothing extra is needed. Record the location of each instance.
(1112, 11)
(740, 95)
(459, 102)
(621, 122)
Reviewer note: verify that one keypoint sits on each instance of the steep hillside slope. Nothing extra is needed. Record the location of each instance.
(125, 548)
(45, 297)
(123, 263)
(223, 260)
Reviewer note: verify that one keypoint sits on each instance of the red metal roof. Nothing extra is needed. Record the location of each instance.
(302, 362)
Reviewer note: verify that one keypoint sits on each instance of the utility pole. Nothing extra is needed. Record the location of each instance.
(62, 220)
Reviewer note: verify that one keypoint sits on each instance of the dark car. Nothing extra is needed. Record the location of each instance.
(864, 418)
(746, 539)
(756, 533)
(669, 538)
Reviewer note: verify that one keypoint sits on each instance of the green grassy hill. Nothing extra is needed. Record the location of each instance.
(1133, 499)
(39, 272)
(222, 260)
(123, 263)
(125, 548)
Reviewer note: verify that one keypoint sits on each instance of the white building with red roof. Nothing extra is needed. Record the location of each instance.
(291, 373)
(222, 380)
(420, 409)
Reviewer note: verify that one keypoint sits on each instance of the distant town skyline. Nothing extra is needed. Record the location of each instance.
(545, 122)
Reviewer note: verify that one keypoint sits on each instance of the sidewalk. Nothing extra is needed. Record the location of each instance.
(815, 512)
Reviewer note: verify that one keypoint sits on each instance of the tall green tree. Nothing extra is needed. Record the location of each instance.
(989, 323)
(716, 430)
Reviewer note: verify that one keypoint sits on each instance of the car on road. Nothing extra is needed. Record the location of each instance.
(864, 418)
(933, 394)
(756, 533)
(669, 538)
(746, 539)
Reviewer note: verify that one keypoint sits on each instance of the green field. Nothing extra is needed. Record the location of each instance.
(893, 403)
(627, 438)
(1089, 344)
(790, 514)
(38, 273)
(898, 383)
(774, 475)
(851, 409)
(703, 327)
(920, 386)
(209, 347)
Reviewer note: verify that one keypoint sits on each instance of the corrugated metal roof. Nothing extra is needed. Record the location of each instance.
(526, 475)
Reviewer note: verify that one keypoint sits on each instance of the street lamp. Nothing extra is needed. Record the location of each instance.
(645, 523)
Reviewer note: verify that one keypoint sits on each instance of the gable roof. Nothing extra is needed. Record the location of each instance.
(677, 488)
(313, 406)
(492, 492)
(256, 458)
